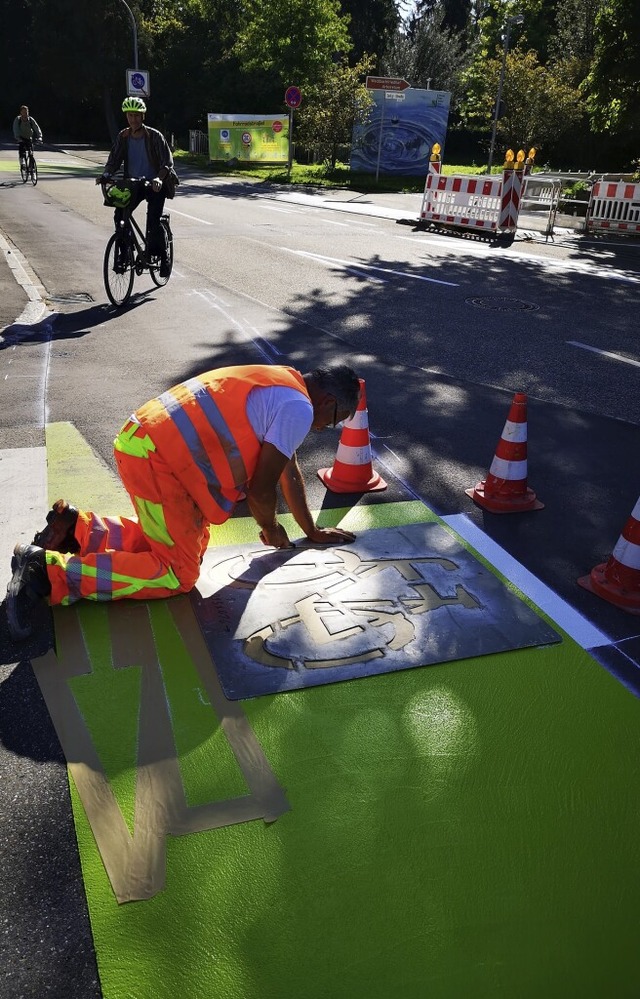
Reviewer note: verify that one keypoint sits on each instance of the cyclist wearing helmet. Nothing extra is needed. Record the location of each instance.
(143, 152)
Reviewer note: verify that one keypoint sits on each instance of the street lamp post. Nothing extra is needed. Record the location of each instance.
(516, 19)
(135, 34)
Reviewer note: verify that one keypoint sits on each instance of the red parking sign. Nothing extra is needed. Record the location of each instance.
(293, 97)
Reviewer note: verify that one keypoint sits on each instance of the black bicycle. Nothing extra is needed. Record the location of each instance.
(28, 165)
(127, 253)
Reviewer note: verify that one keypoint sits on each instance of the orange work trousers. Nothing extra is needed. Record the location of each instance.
(156, 554)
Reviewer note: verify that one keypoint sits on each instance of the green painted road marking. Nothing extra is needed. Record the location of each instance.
(464, 830)
(49, 166)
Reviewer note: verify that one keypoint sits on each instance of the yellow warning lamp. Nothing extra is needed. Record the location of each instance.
(520, 160)
(435, 152)
(532, 154)
(508, 160)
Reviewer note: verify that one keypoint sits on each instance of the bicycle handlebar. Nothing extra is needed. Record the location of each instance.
(106, 182)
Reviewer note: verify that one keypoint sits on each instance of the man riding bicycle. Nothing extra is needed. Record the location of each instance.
(144, 154)
(25, 130)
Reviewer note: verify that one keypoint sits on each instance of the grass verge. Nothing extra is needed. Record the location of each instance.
(321, 175)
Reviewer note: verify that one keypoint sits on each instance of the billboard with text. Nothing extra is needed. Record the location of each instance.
(248, 138)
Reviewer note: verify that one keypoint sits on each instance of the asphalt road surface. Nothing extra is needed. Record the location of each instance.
(444, 330)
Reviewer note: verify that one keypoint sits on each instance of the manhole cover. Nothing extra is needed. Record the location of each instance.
(76, 296)
(500, 304)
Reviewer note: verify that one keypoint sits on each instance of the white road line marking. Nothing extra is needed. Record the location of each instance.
(216, 303)
(276, 208)
(194, 218)
(605, 353)
(351, 265)
(345, 225)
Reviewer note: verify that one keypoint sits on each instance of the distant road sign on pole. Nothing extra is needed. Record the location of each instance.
(138, 83)
(386, 83)
(293, 97)
(293, 100)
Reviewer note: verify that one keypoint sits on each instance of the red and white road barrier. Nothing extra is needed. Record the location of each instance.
(485, 203)
(511, 194)
(614, 206)
(471, 202)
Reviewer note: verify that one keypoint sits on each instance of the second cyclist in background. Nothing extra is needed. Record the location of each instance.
(25, 130)
(144, 153)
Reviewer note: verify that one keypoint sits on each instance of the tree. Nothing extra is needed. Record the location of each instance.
(372, 24)
(539, 106)
(294, 40)
(428, 55)
(454, 15)
(333, 105)
(613, 85)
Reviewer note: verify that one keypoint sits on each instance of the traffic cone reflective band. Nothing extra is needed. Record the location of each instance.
(618, 580)
(505, 488)
(352, 470)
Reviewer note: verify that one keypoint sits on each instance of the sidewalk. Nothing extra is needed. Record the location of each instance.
(13, 297)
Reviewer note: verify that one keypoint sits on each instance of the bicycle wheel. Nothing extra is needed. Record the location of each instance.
(117, 270)
(33, 171)
(154, 269)
(24, 171)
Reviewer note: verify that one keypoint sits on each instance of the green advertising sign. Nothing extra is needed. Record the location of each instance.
(248, 138)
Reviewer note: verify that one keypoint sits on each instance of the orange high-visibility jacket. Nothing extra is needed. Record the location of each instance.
(200, 428)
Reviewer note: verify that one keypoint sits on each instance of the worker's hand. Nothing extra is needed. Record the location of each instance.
(330, 536)
(156, 184)
(275, 537)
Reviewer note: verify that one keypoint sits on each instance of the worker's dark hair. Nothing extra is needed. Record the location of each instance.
(342, 382)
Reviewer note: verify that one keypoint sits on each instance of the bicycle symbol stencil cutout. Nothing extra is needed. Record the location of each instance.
(397, 598)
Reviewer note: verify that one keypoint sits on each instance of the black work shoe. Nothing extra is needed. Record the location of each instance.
(28, 587)
(58, 535)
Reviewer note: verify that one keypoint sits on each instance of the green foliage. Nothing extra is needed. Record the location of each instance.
(293, 39)
(613, 85)
(372, 24)
(428, 54)
(454, 15)
(539, 105)
(332, 105)
(573, 44)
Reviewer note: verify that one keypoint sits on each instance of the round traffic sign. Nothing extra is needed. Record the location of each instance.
(293, 97)
(137, 81)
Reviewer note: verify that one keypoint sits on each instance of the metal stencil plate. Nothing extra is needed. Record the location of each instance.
(398, 598)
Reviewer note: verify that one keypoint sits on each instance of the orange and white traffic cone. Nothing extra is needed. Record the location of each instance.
(352, 470)
(618, 580)
(505, 488)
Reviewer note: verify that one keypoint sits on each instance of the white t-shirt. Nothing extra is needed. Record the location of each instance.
(279, 415)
